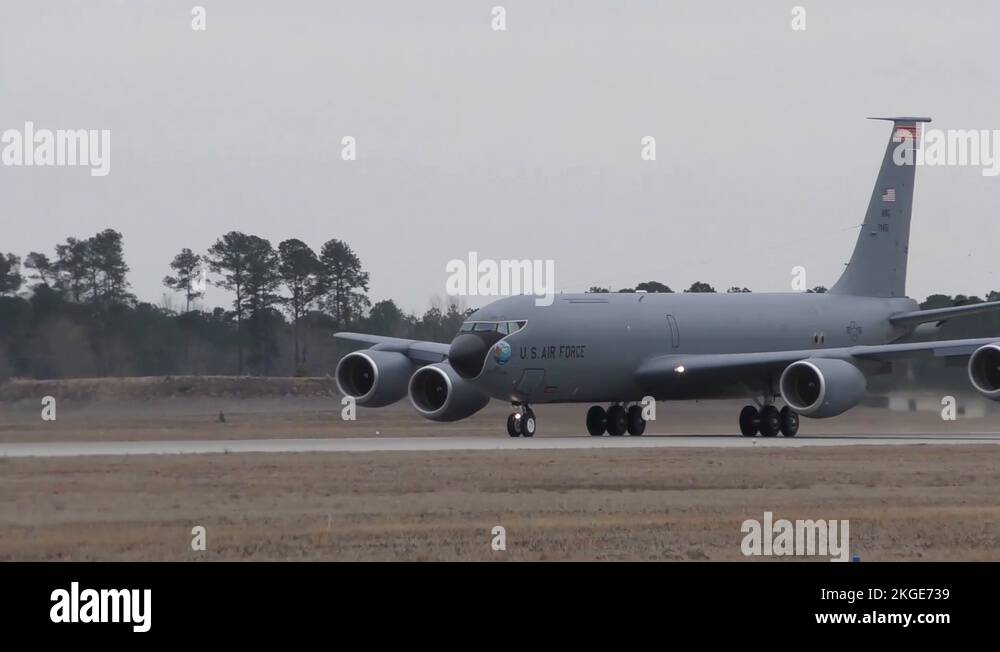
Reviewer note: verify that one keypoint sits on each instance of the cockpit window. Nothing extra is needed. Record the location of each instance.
(503, 327)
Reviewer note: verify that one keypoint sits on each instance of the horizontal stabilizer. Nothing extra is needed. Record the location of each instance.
(903, 119)
(941, 314)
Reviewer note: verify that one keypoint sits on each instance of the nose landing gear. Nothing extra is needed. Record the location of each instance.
(521, 422)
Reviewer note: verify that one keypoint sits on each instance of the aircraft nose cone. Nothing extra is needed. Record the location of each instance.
(467, 355)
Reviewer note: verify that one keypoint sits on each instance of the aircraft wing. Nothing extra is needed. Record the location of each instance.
(416, 350)
(664, 367)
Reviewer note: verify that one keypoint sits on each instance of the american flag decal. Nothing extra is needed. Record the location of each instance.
(889, 194)
(911, 132)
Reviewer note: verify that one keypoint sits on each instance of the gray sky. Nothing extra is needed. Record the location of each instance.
(516, 144)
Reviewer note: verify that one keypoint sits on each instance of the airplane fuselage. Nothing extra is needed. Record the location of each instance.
(587, 347)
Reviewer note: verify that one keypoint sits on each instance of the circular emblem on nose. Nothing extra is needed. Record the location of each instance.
(501, 352)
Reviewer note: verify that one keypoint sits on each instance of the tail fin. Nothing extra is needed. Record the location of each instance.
(878, 264)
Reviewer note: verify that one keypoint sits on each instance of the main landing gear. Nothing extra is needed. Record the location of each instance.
(769, 421)
(616, 421)
(521, 422)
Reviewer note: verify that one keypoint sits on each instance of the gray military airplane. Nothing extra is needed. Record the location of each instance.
(813, 350)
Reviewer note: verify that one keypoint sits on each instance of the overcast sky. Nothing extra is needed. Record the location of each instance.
(515, 144)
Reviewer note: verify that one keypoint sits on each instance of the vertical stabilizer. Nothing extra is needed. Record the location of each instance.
(878, 264)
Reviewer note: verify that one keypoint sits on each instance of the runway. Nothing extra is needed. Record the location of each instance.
(426, 444)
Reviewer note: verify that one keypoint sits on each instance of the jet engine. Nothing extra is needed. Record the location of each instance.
(822, 387)
(440, 394)
(984, 370)
(374, 378)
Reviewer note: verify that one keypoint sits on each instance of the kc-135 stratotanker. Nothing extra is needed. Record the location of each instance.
(814, 351)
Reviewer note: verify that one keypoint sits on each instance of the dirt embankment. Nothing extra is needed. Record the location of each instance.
(162, 387)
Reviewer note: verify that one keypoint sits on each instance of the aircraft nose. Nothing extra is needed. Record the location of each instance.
(467, 354)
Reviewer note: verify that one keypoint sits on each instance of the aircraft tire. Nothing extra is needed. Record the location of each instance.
(749, 421)
(636, 424)
(789, 422)
(513, 425)
(617, 421)
(528, 423)
(770, 421)
(597, 421)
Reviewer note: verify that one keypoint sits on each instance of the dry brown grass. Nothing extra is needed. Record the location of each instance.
(918, 502)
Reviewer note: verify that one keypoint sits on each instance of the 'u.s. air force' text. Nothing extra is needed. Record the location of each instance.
(565, 351)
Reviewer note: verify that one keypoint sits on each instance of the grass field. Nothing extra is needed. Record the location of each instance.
(920, 502)
(903, 502)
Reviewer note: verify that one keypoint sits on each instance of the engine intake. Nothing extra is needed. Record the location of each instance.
(984, 370)
(374, 378)
(822, 387)
(440, 394)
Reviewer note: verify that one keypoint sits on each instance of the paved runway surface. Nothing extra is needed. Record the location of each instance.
(417, 444)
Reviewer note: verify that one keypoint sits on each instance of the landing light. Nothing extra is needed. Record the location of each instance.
(679, 369)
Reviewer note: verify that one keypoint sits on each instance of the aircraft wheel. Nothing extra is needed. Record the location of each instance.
(513, 425)
(749, 421)
(636, 424)
(597, 421)
(528, 423)
(789, 422)
(770, 421)
(617, 421)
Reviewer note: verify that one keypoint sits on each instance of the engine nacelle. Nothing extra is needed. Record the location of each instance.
(374, 378)
(440, 394)
(984, 370)
(822, 387)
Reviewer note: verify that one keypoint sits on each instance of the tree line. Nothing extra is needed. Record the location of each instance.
(73, 314)
(77, 315)
(932, 301)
